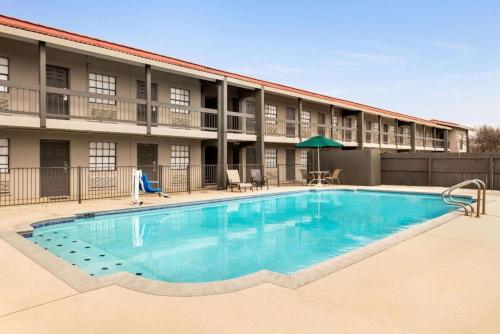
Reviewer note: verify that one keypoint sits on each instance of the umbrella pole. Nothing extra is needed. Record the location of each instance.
(319, 168)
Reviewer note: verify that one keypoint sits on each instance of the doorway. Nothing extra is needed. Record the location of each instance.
(57, 104)
(290, 164)
(147, 160)
(54, 168)
(210, 168)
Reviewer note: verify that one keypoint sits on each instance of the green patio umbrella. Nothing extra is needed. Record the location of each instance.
(318, 142)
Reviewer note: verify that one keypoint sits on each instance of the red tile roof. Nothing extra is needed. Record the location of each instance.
(41, 29)
(451, 124)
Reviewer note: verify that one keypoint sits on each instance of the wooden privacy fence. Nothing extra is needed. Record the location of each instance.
(440, 169)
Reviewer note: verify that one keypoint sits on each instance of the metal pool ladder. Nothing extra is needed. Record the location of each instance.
(481, 200)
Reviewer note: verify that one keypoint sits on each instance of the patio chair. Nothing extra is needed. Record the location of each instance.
(305, 176)
(258, 180)
(233, 180)
(147, 186)
(334, 176)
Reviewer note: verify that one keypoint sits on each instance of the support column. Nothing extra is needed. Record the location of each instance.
(148, 98)
(467, 148)
(379, 118)
(260, 127)
(332, 116)
(396, 132)
(222, 134)
(445, 140)
(43, 84)
(299, 115)
(360, 123)
(413, 137)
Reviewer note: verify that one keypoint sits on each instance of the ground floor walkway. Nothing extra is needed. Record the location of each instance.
(446, 280)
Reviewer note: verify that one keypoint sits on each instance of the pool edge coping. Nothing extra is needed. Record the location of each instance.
(83, 282)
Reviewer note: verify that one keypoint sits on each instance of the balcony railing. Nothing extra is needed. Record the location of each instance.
(371, 136)
(240, 122)
(403, 139)
(19, 99)
(72, 104)
(67, 104)
(281, 127)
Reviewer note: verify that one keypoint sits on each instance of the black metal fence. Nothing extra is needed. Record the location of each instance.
(55, 184)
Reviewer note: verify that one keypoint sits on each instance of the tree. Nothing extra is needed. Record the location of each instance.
(485, 139)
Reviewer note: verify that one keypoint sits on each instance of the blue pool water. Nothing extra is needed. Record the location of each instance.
(216, 241)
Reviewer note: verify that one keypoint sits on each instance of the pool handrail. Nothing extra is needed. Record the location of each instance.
(446, 195)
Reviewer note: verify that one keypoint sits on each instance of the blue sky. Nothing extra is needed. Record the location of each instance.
(433, 59)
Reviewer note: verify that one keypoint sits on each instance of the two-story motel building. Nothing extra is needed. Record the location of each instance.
(71, 100)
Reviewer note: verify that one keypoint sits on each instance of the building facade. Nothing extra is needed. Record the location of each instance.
(68, 100)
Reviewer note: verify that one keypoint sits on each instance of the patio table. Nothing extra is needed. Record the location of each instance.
(318, 177)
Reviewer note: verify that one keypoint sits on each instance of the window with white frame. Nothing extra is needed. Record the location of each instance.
(179, 97)
(102, 156)
(303, 157)
(305, 118)
(4, 73)
(271, 157)
(4, 155)
(179, 156)
(102, 84)
(271, 112)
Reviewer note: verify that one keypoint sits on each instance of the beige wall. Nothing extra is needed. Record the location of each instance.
(25, 147)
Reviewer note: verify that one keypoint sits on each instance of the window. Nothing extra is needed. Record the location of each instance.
(179, 97)
(303, 157)
(461, 141)
(335, 122)
(368, 133)
(102, 84)
(271, 113)
(271, 157)
(179, 156)
(102, 155)
(385, 137)
(305, 117)
(4, 73)
(4, 155)
(251, 107)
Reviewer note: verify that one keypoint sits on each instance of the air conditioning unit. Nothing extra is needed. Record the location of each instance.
(102, 114)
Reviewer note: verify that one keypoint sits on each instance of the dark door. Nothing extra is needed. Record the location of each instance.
(141, 108)
(210, 169)
(54, 168)
(290, 124)
(290, 164)
(251, 159)
(147, 160)
(57, 104)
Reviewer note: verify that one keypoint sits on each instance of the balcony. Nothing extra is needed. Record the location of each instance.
(78, 110)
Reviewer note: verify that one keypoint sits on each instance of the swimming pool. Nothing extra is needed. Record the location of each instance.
(221, 240)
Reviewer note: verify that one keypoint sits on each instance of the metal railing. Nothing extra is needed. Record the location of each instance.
(240, 122)
(481, 188)
(19, 99)
(55, 184)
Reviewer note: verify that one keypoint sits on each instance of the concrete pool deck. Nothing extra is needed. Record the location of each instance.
(445, 280)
